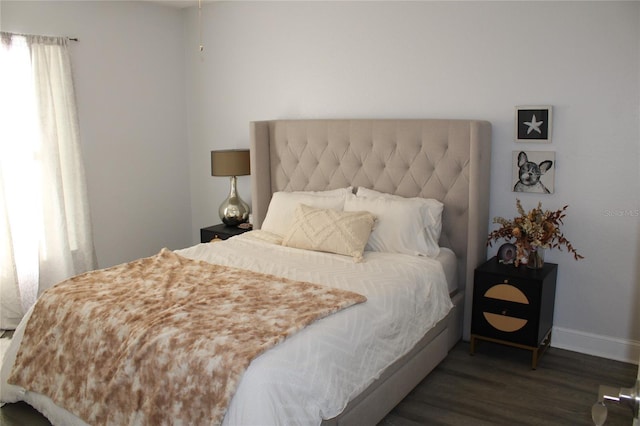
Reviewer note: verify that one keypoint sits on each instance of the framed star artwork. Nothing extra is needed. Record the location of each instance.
(533, 124)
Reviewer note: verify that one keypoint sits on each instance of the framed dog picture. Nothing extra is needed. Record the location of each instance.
(534, 171)
(533, 124)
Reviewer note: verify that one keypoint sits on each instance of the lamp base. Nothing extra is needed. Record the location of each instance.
(234, 219)
(233, 211)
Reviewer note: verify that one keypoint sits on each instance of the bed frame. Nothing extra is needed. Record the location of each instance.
(448, 160)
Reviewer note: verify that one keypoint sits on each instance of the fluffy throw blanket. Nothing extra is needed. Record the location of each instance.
(161, 340)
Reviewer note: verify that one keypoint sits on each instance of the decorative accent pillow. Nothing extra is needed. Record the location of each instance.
(330, 231)
(405, 225)
(283, 204)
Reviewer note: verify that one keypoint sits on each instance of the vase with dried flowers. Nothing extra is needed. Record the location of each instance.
(532, 232)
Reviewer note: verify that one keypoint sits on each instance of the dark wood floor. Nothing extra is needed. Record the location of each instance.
(496, 386)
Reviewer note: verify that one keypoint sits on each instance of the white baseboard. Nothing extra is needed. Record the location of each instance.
(597, 345)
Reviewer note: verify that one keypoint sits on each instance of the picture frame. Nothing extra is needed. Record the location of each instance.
(507, 254)
(533, 123)
(534, 171)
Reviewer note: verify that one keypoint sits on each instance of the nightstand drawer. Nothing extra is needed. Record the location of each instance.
(507, 308)
(511, 322)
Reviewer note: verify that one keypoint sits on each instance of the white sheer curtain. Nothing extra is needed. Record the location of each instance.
(45, 229)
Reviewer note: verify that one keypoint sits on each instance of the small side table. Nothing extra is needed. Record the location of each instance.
(219, 232)
(514, 306)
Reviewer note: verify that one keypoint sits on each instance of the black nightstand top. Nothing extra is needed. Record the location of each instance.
(492, 266)
(220, 231)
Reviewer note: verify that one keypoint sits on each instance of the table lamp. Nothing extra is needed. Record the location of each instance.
(232, 162)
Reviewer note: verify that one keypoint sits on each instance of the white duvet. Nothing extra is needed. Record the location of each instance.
(316, 372)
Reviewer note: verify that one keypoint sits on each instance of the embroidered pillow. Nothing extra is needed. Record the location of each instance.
(330, 231)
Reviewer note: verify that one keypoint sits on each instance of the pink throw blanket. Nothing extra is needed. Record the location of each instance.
(161, 340)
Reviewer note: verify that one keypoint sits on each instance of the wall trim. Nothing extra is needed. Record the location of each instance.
(593, 344)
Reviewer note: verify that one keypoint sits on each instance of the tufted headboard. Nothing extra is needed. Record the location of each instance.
(448, 160)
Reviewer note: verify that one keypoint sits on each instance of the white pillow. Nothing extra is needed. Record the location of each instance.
(405, 225)
(330, 231)
(280, 213)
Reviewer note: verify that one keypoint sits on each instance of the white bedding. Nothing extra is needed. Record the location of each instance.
(449, 262)
(312, 375)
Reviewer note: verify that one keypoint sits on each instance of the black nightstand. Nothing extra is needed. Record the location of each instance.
(220, 232)
(514, 306)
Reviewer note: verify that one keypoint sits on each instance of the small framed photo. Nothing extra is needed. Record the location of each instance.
(534, 171)
(533, 124)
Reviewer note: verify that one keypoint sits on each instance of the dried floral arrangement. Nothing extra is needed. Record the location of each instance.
(533, 230)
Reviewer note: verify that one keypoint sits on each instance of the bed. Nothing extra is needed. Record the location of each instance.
(445, 160)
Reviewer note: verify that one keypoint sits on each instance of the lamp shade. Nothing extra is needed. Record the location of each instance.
(230, 162)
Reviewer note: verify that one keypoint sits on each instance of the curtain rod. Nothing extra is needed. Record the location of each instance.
(9, 33)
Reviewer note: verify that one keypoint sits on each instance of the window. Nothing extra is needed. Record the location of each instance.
(45, 231)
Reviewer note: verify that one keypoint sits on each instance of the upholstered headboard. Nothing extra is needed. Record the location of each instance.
(448, 160)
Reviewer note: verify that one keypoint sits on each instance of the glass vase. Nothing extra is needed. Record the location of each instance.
(536, 259)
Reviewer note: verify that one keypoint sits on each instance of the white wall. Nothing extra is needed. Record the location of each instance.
(267, 60)
(130, 86)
